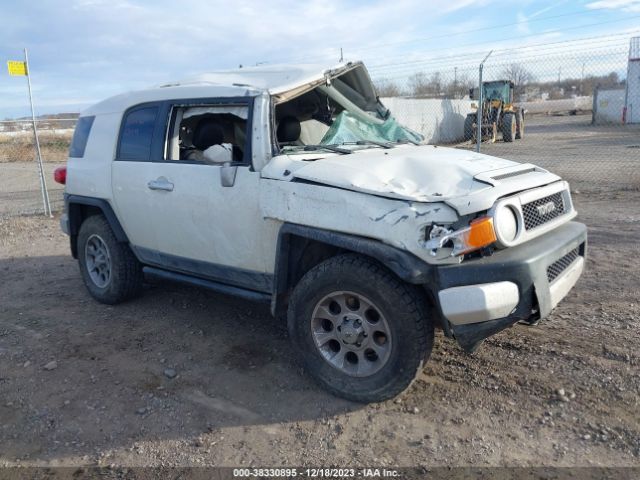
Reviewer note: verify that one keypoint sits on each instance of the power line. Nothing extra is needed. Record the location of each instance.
(517, 48)
(449, 35)
(481, 52)
(620, 50)
(598, 58)
(493, 27)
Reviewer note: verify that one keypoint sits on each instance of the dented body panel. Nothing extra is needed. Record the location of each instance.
(424, 173)
(355, 213)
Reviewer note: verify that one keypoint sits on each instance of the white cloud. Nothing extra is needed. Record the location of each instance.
(624, 5)
(90, 49)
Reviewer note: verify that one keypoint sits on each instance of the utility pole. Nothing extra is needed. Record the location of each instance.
(43, 181)
(455, 82)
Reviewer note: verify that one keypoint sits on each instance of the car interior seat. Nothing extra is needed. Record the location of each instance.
(288, 131)
(206, 134)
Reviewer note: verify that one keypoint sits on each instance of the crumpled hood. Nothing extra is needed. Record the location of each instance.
(423, 173)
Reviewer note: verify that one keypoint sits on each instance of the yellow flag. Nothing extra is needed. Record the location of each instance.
(17, 68)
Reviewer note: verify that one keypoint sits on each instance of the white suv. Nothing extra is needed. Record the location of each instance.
(295, 186)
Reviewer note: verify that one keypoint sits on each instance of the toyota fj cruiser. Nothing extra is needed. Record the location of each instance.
(296, 186)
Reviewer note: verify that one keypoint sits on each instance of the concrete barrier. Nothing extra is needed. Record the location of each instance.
(558, 106)
(439, 120)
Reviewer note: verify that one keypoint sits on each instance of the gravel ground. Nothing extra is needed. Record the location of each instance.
(186, 377)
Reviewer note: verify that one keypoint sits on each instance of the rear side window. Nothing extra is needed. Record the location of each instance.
(137, 134)
(80, 137)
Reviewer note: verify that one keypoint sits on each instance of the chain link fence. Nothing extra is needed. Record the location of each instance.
(21, 194)
(576, 100)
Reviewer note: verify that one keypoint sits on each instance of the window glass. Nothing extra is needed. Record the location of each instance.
(137, 133)
(80, 137)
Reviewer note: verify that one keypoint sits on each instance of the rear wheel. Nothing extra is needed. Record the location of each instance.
(109, 269)
(509, 127)
(468, 127)
(362, 333)
(520, 125)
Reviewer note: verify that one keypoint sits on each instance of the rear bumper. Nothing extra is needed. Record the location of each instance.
(525, 283)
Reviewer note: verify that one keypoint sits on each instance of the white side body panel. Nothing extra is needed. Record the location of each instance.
(202, 220)
(90, 176)
(133, 201)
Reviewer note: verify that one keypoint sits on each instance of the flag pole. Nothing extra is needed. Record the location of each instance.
(43, 182)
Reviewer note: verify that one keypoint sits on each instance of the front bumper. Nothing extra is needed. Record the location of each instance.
(480, 297)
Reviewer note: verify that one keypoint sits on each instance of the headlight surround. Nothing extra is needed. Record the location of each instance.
(480, 233)
(506, 224)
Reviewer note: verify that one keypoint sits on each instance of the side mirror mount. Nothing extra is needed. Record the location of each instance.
(228, 174)
(222, 155)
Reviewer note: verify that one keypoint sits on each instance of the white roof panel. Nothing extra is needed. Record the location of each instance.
(274, 79)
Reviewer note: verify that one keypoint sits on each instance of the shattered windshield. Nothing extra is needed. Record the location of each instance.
(347, 128)
(339, 116)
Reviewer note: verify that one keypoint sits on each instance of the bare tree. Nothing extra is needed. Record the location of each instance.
(418, 84)
(459, 87)
(519, 75)
(422, 86)
(387, 88)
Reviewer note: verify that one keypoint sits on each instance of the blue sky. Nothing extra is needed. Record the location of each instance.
(82, 51)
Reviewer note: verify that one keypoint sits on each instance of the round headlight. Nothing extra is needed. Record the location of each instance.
(506, 224)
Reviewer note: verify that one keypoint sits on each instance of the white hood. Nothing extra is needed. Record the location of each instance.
(465, 180)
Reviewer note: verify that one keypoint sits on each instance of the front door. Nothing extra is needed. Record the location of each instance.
(203, 227)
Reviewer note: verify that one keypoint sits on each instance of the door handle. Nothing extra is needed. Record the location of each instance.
(161, 183)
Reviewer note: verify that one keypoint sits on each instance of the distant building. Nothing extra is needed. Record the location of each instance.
(631, 113)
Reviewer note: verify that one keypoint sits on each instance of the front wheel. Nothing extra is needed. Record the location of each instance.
(109, 269)
(362, 333)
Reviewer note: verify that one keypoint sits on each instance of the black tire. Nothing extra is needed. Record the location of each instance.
(125, 272)
(509, 127)
(519, 125)
(468, 127)
(403, 309)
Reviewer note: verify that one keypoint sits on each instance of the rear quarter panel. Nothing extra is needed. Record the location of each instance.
(90, 175)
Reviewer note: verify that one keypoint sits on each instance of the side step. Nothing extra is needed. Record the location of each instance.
(209, 284)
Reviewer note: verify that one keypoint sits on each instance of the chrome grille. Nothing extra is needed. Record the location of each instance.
(535, 213)
(559, 266)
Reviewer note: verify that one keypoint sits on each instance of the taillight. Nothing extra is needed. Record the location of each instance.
(60, 175)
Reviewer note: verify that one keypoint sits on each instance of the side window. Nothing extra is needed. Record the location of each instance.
(137, 133)
(208, 133)
(80, 137)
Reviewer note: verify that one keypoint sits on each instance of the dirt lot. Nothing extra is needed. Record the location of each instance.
(83, 383)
